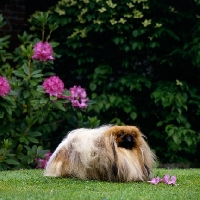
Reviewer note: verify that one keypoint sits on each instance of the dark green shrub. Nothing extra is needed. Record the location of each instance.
(139, 60)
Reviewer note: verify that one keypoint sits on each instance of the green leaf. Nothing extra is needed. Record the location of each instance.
(25, 68)
(53, 98)
(35, 93)
(12, 162)
(66, 93)
(93, 86)
(36, 72)
(5, 38)
(160, 123)
(26, 94)
(176, 139)
(90, 102)
(171, 133)
(37, 75)
(188, 140)
(44, 101)
(1, 114)
(19, 73)
(135, 33)
(133, 115)
(127, 109)
(96, 108)
(107, 105)
(118, 40)
(22, 139)
(40, 89)
(32, 139)
(33, 82)
(40, 151)
(8, 109)
(134, 45)
(34, 134)
(1, 151)
(59, 106)
(19, 148)
(49, 74)
(54, 44)
(34, 149)
(126, 48)
(154, 44)
(23, 126)
(111, 99)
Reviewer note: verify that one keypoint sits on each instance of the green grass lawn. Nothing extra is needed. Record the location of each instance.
(30, 184)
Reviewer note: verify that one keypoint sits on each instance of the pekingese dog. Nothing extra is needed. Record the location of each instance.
(109, 153)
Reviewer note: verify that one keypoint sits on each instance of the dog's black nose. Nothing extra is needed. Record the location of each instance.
(128, 138)
(127, 142)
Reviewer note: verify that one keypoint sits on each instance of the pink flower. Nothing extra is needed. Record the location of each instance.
(43, 161)
(4, 86)
(43, 51)
(154, 181)
(78, 97)
(53, 86)
(166, 179)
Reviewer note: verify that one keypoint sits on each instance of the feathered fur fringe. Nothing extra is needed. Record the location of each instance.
(110, 153)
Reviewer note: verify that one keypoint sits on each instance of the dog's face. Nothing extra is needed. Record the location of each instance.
(127, 137)
(130, 138)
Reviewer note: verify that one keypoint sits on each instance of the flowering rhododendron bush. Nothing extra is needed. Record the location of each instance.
(36, 107)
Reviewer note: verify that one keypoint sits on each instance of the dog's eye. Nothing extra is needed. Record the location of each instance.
(120, 134)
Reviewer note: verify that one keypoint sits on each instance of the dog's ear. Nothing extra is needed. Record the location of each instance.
(114, 165)
(148, 157)
(147, 170)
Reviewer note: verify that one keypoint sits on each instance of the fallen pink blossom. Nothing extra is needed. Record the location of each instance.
(166, 179)
(154, 181)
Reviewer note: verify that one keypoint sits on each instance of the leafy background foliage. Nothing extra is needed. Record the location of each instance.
(137, 59)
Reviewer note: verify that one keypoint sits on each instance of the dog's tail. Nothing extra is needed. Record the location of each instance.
(56, 165)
